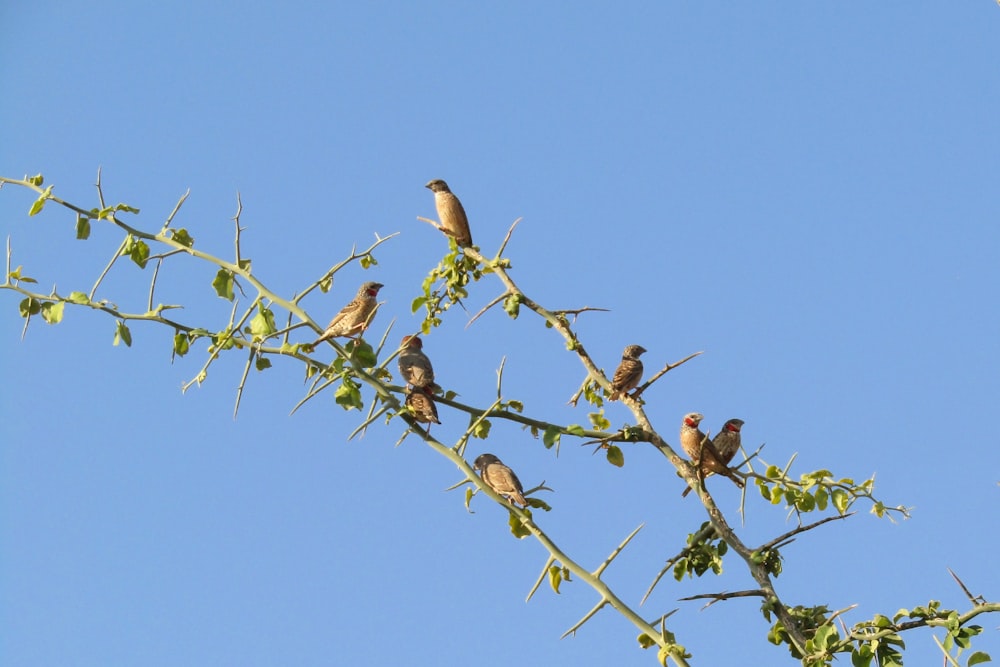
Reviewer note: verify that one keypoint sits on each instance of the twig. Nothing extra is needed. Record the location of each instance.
(662, 372)
(780, 540)
(485, 308)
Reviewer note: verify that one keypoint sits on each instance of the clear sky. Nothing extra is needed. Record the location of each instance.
(807, 192)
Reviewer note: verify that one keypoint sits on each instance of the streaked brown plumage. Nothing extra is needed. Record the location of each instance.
(414, 365)
(450, 213)
(500, 478)
(726, 443)
(628, 373)
(353, 318)
(423, 407)
(702, 451)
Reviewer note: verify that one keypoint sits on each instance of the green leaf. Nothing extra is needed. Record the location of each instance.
(36, 180)
(348, 395)
(615, 456)
(122, 334)
(245, 265)
(16, 275)
(551, 436)
(367, 262)
(126, 208)
(512, 304)
(262, 324)
(139, 253)
(53, 312)
(978, 658)
(79, 297)
(516, 406)
(840, 500)
(482, 430)
(518, 529)
(645, 641)
(82, 227)
(181, 236)
(417, 303)
(540, 504)
(575, 429)
(39, 204)
(181, 344)
(555, 578)
(362, 354)
(223, 284)
(263, 363)
(29, 307)
(862, 656)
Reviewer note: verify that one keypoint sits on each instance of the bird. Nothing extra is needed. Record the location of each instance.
(702, 451)
(452, 216)
(628, 373)
(500, 478)
(414, 365)
(353, 318)
(422, 406)
(726, 443)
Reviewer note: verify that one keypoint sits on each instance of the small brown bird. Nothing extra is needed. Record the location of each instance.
(423, 407)
(628, 373)
(452, 215)
(353, 319)
(726, 443)
(702, 451)
(500, 478)
(414, 365)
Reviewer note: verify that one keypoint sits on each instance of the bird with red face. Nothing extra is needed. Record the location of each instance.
(353, 318)
(500, 478)
(725, 444)
(628, 373)
(454, 222)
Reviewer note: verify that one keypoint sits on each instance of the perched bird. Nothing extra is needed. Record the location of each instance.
(702, 451)
(726, 443)
(423, 407)
(500, 478)
(353, 319)
(414, 365)
(628, 373)
(450, 212)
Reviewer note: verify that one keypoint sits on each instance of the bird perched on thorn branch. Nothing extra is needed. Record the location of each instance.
(353, 318)
(726, 443)
(452, 216)
(500, 478)
(702, 451)
(423, 407)
(414, 365)
(628, 373)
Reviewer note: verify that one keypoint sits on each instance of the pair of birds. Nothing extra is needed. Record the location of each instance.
(711, 456)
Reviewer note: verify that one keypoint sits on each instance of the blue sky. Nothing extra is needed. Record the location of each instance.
(806, 192)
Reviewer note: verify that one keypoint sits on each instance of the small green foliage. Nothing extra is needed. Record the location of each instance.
(326, 284)
(244, 264)
(516, 406)
(512, 304)
(78, 298)
(82, 227)
(122, 334)
(539, 503)
(615, 456)
(645, 641)
(704, 552)
(52, 312)
(599, 421)
(517, 527)
(575, 429)
(223, 284)
(262, 324)
(811, 622)
(29, 306)
(262, 363)
(181, 343)
(222, 340)
(469, 492)
(39, 204)
(348, 395)
(181, 236)
(482, 430)
(36, 180)
(137, 250)
(978, 658)
(362, 353)
(367, 262)
(551, 436)
(555, 577)
(16, 276)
